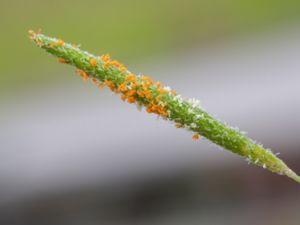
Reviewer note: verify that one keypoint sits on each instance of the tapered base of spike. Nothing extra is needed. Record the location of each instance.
(291, 174)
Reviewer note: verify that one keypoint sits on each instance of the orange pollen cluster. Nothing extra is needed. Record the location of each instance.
(63, 61)
(123, 88)
(83, 74)
(158, 109)
(130, 78)
(147, 80)
(101, 85)
(132, 89)
(95, 81)
(110, 84)
(179, 125)
(93, 62)
(60, 42)
(196, 136)
(105, 58)
(108, 63)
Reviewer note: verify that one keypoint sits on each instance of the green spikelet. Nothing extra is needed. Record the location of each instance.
(163, 101)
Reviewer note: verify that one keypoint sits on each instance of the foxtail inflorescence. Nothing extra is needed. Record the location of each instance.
(160, 100)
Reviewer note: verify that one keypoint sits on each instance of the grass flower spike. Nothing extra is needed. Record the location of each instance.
(160, 100)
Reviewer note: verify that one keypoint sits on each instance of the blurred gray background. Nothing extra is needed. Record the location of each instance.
(73, 154)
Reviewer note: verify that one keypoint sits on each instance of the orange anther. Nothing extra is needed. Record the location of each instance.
(101, 85)
(95, 81)
(61, 60)
(105, 58)
(93, 62)
(60, 42)
(196, 136)
(179, 125)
